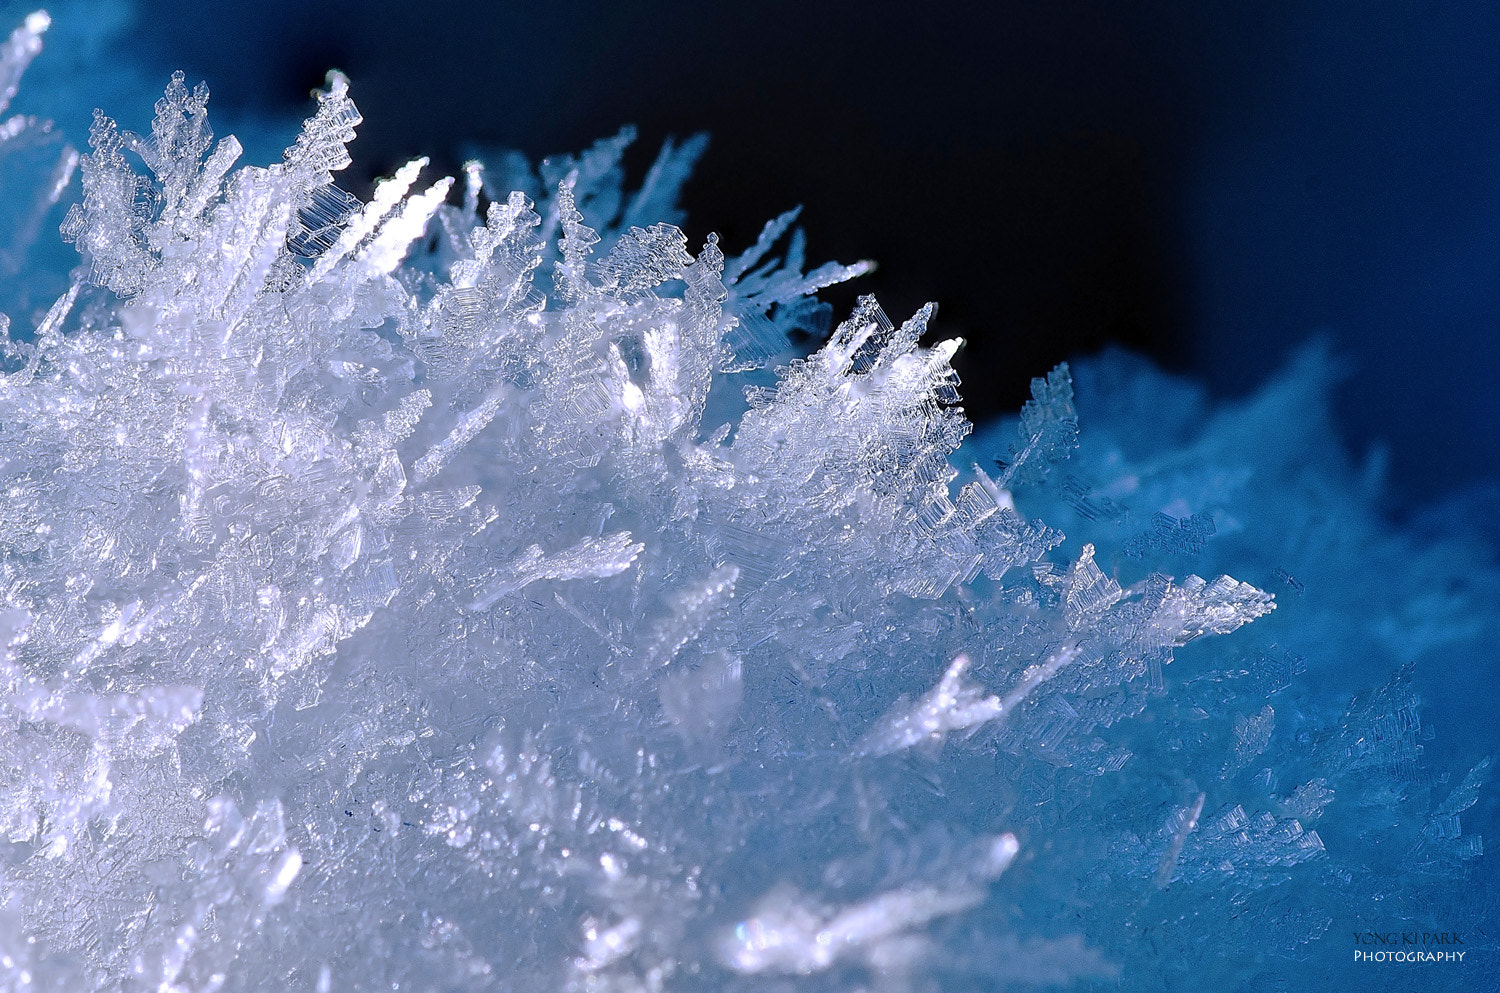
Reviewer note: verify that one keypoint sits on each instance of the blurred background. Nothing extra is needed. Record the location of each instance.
(1209, 184)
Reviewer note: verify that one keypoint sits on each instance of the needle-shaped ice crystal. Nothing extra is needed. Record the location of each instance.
(954, 704)
(792, 932)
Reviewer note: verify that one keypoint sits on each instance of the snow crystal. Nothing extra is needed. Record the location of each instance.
(383, 608)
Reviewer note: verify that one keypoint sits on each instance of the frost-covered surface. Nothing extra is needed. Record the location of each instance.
(414, 595)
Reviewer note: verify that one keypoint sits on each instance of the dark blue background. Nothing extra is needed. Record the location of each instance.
(1209, 183)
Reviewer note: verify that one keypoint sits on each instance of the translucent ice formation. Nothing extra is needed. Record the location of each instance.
(418, 595)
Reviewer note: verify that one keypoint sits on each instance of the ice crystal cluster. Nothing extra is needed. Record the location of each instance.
(472, 591)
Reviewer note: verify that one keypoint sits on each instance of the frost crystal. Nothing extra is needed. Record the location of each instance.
(476, 595)
(790, 933)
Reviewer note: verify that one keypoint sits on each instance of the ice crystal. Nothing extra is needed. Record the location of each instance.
(427, 595)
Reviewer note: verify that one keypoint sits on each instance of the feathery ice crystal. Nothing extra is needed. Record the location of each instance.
(409, 595)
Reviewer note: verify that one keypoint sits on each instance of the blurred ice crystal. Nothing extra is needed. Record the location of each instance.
(403, 526)
(790, 933)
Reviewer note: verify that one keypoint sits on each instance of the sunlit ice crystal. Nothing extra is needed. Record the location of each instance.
(471, 589)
